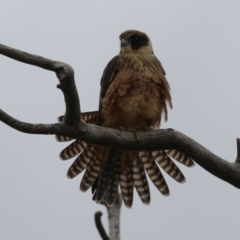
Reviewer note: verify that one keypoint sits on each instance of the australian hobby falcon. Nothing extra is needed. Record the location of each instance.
(134, 96)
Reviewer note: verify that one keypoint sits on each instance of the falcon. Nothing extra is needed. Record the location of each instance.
(134, 97)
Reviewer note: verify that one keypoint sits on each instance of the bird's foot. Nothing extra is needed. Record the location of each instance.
(130, 130)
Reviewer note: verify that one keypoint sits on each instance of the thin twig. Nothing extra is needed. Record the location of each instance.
(64, 73)
(99, 225)
(238, 151)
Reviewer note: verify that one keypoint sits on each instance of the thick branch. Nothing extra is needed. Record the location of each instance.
(159, 139)
(114, 219)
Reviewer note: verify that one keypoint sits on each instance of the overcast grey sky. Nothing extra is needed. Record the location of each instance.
(198, 43)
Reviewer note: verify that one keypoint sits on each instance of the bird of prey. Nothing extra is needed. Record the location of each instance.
(134, 96)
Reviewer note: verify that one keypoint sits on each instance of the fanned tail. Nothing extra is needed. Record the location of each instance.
(154, 172)
(140, 181)
(112, 167)
(180, 157)
(168, 165)
(88, 117)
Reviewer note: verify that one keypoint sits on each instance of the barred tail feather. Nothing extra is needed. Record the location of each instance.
(90, 175)
(81, 162)
(168, 165)
(154, 172)
(180, 157)
(126, 178)
(102, 183)
(113, 181)
(126, 184)
(100, 156)
(140, 180)
(73, 149)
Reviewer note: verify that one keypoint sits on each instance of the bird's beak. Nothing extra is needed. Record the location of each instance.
(124, 43)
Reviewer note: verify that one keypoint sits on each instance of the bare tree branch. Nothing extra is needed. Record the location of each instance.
(99, 226)
(75, 128)
(113, 218)
(28, 58)
(64, 73)
(238, 151)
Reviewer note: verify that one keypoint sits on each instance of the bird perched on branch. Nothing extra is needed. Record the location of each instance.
(134, 97)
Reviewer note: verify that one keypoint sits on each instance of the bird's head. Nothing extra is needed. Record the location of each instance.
(133, 41)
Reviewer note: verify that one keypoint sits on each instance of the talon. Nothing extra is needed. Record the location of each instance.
(134, 131)
(135, 134)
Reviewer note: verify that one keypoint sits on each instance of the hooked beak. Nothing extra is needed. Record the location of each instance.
(124, 43)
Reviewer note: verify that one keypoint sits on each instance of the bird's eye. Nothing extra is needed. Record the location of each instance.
(135, 38)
